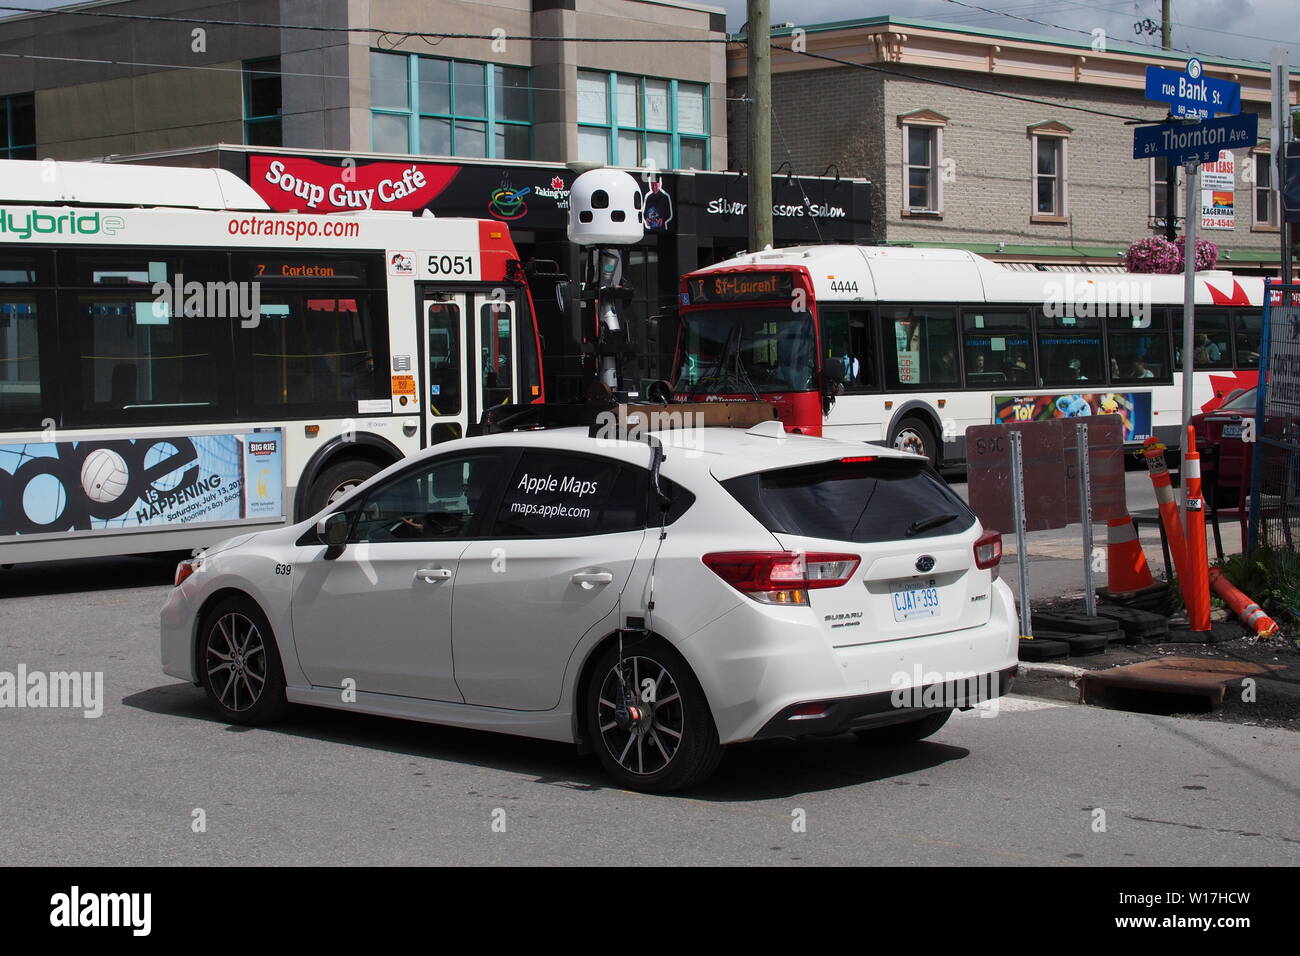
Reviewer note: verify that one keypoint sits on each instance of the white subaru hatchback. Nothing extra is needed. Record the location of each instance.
(651, 600)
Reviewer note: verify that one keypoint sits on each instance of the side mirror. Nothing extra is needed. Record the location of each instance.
(333, 529)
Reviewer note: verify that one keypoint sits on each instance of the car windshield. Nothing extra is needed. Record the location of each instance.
(1243, 402)
(890, 499)
(747, 351)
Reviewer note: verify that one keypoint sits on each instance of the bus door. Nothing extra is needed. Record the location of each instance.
(470, 354)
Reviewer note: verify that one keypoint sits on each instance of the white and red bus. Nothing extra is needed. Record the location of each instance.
(910, 346)
(177, 362)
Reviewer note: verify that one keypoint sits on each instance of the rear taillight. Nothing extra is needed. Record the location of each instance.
(988, 550)
(184, 570)
(781, 577)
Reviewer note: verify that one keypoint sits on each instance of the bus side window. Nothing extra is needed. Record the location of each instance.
(1139, 347)
(846, 335)
(997, 347)
(1247, 327)
(924, 348)
(1211, 348)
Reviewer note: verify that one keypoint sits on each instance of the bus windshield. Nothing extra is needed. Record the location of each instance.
(747, 351)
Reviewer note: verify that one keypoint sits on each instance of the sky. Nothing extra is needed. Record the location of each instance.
(1242, 29)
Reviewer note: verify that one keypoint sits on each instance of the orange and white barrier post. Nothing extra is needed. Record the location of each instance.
(1154, 452)
(1250, 613)
(1196, 579)
(1126, 563)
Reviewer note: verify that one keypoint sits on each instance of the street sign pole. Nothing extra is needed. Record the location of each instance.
(1022, 546)
(1189, 304)
(1085, 513)
(1277, 148)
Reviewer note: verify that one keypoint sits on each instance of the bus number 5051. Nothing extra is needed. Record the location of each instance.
(447, 265)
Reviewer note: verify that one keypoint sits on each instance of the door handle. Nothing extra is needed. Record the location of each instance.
(589, 579)
(429, 575)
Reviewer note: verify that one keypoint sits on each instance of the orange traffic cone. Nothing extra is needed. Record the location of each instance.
(1126, 563)
(1247, 610)
(1196, 581)
(1159, 471)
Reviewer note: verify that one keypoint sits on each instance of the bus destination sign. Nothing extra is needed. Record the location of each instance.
(741, 287)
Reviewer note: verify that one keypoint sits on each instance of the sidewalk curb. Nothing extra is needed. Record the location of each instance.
(1061, 672)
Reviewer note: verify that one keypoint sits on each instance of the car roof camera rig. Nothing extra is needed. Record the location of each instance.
(605, 218)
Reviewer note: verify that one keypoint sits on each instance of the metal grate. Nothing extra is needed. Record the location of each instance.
(1275, 478)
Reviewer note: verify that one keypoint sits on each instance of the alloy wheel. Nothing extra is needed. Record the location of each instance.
(236, 661)
(640, 715)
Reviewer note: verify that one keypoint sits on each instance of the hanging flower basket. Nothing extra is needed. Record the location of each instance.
(1155, 254)
(1207, 253)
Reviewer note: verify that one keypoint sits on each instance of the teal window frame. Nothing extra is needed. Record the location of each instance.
(8, 148)
(612, 126)
(261, 65)
(413, 114)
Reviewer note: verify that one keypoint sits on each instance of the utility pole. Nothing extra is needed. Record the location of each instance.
(1171, 170)
(1281, 135)
(760, 124)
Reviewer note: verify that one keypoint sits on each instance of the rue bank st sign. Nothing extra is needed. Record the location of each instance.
(1194, 96)
(1191, 94)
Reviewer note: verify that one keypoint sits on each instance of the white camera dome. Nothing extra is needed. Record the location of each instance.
(605, 209)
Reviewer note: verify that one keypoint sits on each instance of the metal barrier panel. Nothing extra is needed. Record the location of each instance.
(1275, 471)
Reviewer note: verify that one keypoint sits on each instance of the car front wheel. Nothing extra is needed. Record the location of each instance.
(239, 664)
(649, 720)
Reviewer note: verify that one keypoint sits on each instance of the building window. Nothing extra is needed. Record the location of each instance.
(1264, 198)
(634, 120)
(18, 126)
(1048, 172)
(922, 158)
(262, 102)
(437, 107)
(1159, 194)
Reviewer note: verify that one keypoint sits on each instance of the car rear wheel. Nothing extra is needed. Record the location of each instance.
(649, 720)
(907, 732)
(239, 664)
(916, 436)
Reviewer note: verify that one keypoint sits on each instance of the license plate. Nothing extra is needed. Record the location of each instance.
(1232, 431)
(913, 599)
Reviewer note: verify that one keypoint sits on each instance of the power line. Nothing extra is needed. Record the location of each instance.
(315, 27)
(960, 86)
(1058, 26)
(262, 71)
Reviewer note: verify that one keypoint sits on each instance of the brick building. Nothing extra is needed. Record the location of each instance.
(95, 82)
(1037, 182)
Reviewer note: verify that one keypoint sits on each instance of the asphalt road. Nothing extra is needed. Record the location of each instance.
(1020, 787)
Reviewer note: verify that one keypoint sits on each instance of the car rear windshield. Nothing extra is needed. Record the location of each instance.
(887, 499)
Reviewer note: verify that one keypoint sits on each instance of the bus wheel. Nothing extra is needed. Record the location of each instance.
(915, 436)
(338, 480)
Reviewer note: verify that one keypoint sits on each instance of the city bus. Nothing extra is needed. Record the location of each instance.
(910, 346)
(179, 364)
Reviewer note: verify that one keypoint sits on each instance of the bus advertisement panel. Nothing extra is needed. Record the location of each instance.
(141, 484)
(1133, 409)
